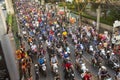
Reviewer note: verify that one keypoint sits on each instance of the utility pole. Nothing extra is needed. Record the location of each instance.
(98, 17)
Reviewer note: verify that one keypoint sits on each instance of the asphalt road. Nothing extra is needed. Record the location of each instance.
(86, 56)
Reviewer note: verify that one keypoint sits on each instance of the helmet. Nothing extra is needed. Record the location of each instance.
(100, 43)
(103, 67)
(108, 51)
(36, 65)
(66, 53)
(112, 53)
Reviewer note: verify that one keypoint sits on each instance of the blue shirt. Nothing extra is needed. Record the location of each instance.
(41, 61)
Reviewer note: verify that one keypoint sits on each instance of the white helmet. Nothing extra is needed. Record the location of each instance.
(36, 65)
(112, 53)
(100, 43)
(108, 51)
(103, 67)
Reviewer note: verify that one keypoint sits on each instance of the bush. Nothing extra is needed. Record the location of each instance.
(15, 31)
(11, 21)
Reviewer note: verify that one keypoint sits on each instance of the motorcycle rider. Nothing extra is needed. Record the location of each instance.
(36, 67)
(53, 59)
(79, 60)
(117, 76)
(96, 59)
(59, 50)
(65, 55)
(68, 68)
(41, 60)
(68, 49)
(113, 57)
(68, 65)
(108, 55)
(87, 76)
(103, 73)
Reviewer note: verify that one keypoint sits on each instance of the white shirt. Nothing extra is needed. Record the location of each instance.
(33, 47)
(54, 59)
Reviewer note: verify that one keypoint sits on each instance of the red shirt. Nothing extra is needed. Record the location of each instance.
(68, 65)
(87, 77)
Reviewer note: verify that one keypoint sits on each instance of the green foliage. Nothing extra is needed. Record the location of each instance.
(15, 31)
(107, 21)
(9, 19)
(94, 6)
(12, 22)
(68, 4)
(114, 15)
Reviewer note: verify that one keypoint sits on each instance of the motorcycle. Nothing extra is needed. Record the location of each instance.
(106, 77)
(59, 52)
(80, 66)
(96, 63)
(65, 56)
(40, 39)
(83, 69)
(117, 75)
(24, 32)
(78, 52)
(90, 49)
(103, 74)
(55, 69)
(68, 50)
(103, 54)
(57, 77)
(69, 74)
(36, 67)
(114, 64)
(43, 67)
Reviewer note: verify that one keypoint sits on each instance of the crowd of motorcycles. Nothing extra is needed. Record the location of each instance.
(55, 39)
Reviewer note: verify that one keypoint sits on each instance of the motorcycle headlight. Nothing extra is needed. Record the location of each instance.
(109, 79)
(37, 72)
(56, 71)
(44, 68)
(72, 74)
